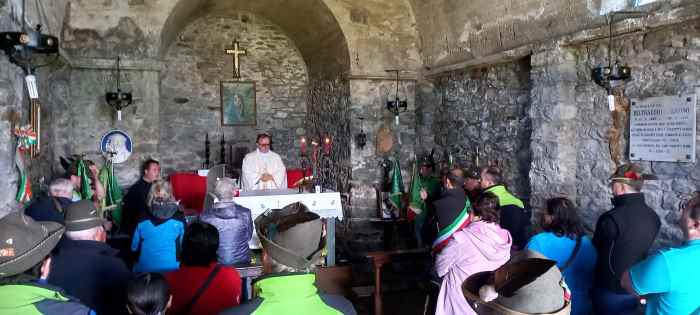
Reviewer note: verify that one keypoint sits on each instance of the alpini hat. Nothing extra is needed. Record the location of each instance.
(527, 284)
(82, 215)
(631, 174)
(292, 236)
(25, 242)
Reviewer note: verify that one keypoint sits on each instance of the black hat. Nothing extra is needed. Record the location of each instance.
(631, 174)
(82, 215)
(472, 173)
(25, 242)
(452, 215)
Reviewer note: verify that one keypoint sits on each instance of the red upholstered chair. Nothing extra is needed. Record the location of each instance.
(190, 189)
(294, 175)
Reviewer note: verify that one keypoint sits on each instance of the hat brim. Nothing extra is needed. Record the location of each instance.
(36, 254)
(84, 224)
(470, 289)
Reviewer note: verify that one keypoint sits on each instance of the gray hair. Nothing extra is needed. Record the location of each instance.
(84, 235)
(278, 267)
(224, 189)
(61, 187)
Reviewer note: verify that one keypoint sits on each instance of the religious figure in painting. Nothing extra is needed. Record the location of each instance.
(237, 103)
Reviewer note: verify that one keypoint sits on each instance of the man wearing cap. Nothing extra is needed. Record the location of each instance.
(53, 206)
(622, 238)
(25, 264)
(262, 168)
(85, 266)
(670, 279)
(514, 217)
(472, 185)
(420, 208)
(292, 239)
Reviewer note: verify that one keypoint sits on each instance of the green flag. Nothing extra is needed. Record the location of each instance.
(83, 173)
(417, 205)
(113, 194)
(396, 185)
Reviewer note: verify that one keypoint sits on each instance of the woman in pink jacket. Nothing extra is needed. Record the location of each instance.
(481, 245)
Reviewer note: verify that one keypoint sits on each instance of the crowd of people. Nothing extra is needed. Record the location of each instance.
(481, 225)
(54, 256)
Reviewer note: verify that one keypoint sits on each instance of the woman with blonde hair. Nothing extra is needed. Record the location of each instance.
(158, 236)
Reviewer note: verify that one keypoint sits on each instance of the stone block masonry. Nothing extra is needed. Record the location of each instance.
(190, 101)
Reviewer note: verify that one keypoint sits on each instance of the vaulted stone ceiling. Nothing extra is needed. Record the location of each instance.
(334, 36)
(309, 23)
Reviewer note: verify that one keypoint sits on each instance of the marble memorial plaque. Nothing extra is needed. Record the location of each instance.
(663, 128)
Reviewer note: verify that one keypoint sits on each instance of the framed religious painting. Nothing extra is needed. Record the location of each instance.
(238, 103)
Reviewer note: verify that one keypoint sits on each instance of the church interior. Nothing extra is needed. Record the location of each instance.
(357, 92)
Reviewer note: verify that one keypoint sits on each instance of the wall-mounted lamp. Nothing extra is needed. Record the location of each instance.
(361, 138)
(24, 48)
(396, 105)
(119, 100)
(613, 75)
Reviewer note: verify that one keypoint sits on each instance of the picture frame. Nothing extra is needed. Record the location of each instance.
(238, 104)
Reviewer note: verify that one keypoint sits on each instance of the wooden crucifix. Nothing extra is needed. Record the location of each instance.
(236, 52)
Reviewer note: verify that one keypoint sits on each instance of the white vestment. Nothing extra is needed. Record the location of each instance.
(256, 163)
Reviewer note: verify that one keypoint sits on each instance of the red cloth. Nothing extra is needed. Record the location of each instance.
(293, 175)
(190, 189)
(223, 292)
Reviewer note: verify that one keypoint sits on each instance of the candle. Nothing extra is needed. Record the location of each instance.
(303, 146)
(327, 145)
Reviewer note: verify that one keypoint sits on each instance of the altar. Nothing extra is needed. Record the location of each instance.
(327, 205)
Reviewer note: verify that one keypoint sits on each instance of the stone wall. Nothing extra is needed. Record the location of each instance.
(190, 85)
(368, 100)
(665, 61)
(486, 109)
(11, 98)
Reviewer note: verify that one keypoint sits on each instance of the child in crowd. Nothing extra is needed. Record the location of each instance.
(158, 235)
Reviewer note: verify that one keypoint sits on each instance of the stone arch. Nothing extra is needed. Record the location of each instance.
(310, 24)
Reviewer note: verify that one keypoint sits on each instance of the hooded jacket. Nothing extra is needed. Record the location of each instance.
(34, 298)
(514, 216)
(480, 246)
(235, 227)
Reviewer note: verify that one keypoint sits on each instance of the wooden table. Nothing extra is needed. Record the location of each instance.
(379, 260)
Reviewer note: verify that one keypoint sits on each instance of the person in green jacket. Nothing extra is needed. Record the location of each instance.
(25, 248)
(514, 216)
(293, 240)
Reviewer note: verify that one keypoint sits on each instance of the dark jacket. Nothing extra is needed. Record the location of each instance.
(90, 271)
(294, 293)
(235, 227)
(622, 238)
(36, 298)
(46, 208)
(514, 216)
(135, 203)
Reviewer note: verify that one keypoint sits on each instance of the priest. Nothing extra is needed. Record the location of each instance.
(262, 168)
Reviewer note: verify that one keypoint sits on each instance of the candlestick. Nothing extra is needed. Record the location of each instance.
(327, 145)
(222, 154)
(303, 146)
